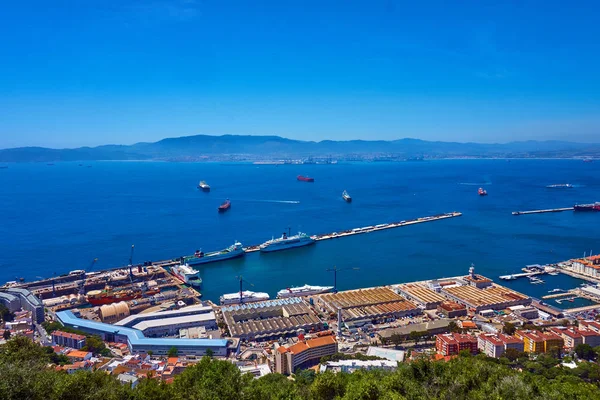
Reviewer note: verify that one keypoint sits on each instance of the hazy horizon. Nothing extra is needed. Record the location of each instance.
(106, 71)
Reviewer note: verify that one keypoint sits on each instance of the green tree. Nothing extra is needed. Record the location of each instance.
(327, 386)
(396, 339)
(585, 352)
(414, 335)
(5, 314)
(509, 328)
(453, 327)
(173, 352)
(6, 334)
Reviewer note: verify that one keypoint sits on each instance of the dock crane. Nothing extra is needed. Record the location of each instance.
(335, 270)
(82, 284)
(131, 263)
(242, 280)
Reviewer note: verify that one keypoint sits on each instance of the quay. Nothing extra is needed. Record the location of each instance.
(374, 228)
(542, 211)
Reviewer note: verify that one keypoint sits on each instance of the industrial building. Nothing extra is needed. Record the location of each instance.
(450, 309)
(492, 297)
(367, 304)
(111, 313)
(350, 366)
(10, 301)
(423, 296)
(138, 343)
(431, 327)
(304, 354)
(28, 301)
(270, 319)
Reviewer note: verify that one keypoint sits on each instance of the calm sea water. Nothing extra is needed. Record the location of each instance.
(54, 219)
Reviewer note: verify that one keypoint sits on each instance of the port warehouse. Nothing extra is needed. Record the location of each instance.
(139, 343)
(270, 319)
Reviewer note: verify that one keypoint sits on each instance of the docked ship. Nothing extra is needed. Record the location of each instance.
(587, 207)
(482, 192)
(306, 290)
(226, 205)
(109, 296)
(187, 275)
(286, 242)
(560, 186)
(199, 257)
(246, 296)
(346, 197)
(305, 178)
(205, 187)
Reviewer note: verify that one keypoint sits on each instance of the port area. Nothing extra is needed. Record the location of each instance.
(549, 210)
(371, 229)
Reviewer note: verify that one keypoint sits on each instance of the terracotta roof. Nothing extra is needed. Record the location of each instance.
(451, 306)
(77, 354)
(68, 335)
(468, 324)
(312, 343)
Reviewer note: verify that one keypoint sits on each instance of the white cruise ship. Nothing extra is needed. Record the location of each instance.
(187, 274)
(306, 290)
(247, 297)
(286, 242)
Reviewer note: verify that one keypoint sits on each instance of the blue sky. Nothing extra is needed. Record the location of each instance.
(92, 72)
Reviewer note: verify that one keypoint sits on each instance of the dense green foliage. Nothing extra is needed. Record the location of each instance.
(26, 375)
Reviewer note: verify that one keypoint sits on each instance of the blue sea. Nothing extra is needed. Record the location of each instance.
(57, 218)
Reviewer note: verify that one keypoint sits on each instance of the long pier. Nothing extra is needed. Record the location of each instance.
(542, 211)
(370, 229)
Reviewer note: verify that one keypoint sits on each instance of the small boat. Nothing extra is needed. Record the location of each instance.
(588, 160)
(305, 178)
(226, 205)
(516, 213)
(560, 186)
(482, 192)
(204, 186)
(346, 197)
(555, 291)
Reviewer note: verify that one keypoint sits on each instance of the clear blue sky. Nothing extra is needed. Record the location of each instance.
(88, 72)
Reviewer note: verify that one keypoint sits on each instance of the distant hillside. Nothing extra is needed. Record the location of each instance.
(238, 147)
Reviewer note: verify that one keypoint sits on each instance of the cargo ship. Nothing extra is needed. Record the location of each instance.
(226, 205)
(109, 296)
(205, 187)
(346, 197)
(187, 275)
(587, 207)
(199, 257)
(286, 242)
(560, 186)
(482, 192)
(243, 297)
(306, 290)
(305, 178)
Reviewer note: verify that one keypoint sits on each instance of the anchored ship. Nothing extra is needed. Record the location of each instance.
(560, 186)
(346, 196)
(204, 186)
(246, 296)
(225, 206)
(199, 257)
(587, 207)
(187, 274)
(109, 296)
(286, 242)
(305, 178)
(305, 290)
(482, 192)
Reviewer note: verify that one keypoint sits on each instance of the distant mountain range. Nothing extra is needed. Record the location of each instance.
(243, 147)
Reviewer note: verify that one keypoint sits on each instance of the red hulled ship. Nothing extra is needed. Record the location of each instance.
(225, 206)
(482, 192)
(305, 178)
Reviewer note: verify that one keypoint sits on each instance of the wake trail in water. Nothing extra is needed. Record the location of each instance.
(273, 201)
(475, 184)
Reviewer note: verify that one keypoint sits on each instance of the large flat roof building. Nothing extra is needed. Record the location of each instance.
(494, 297)
(421, 295)
(270, 319)
(28, 301)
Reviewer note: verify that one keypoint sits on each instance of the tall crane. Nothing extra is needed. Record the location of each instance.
(242, 280)
(335, 270)
(131, 263)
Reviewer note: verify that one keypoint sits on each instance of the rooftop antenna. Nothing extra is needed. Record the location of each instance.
(335, 270)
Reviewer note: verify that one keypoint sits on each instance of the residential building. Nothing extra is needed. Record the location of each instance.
(494, 345)
(540, 342)
(587, 266)
(571, 336)
(453, 343)
(65, 339)
(304, 354)
(10, 301)
(128, 379)
(257, 370)
(78, 355)
(28, 301)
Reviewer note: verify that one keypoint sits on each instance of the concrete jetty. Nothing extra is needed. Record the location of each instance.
(542, 211)
(373, 228)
